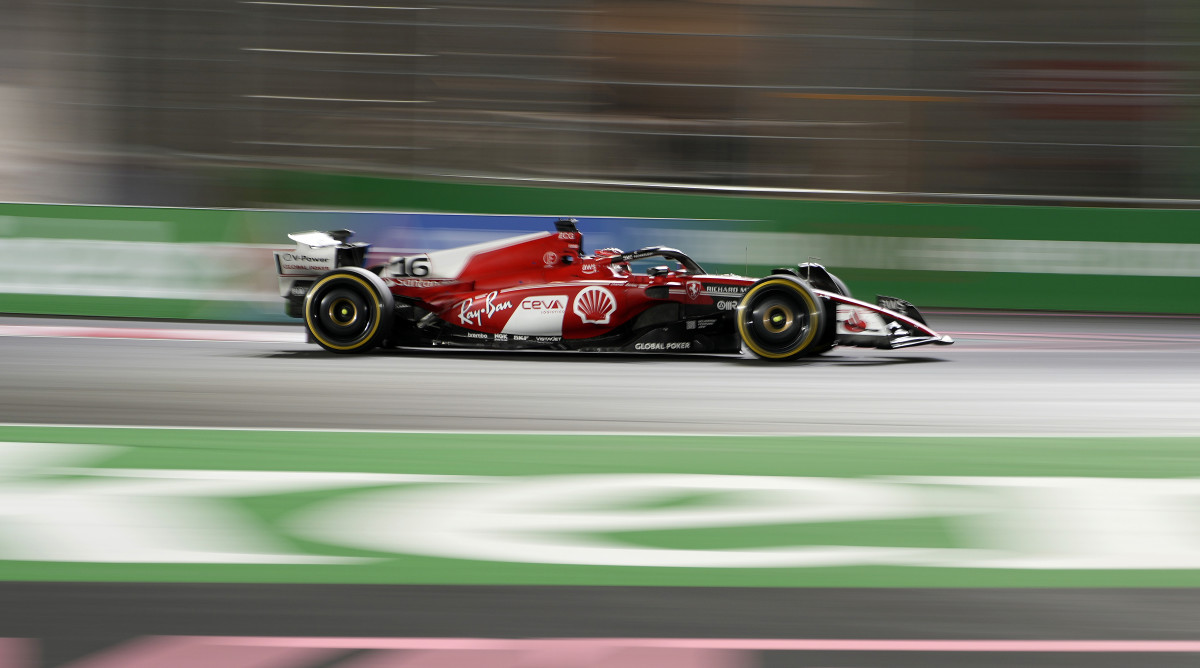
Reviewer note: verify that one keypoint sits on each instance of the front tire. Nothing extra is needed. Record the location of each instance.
(780, 318)
(348, 310)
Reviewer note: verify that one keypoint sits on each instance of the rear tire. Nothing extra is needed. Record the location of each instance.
(780, 319)
(348, 310)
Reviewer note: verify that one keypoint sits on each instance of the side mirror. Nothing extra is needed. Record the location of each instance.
(659, 270)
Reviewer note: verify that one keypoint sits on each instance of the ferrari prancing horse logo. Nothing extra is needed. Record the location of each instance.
(595, 305)
(693, 289)
(855, 323)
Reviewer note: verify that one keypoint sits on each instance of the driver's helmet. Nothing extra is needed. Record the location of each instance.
(611, 252)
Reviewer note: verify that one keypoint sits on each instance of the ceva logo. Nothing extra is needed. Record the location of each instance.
(545, 304)
(595, 305)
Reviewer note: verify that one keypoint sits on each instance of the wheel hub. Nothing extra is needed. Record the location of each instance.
(778, 318)
(343, 312)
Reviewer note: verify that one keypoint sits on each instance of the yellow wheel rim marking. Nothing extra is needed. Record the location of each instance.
(308, 311)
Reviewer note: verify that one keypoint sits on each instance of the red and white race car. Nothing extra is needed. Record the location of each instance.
(543, 291)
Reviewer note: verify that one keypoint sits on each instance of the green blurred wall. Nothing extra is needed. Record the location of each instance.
(216, 264)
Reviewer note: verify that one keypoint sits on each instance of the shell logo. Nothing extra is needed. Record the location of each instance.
(595, 305)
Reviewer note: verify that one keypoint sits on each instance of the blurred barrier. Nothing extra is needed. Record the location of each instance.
(130, 262)
(108, 101)
(216, 264)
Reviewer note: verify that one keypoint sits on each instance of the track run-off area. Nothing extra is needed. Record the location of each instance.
(212, 494)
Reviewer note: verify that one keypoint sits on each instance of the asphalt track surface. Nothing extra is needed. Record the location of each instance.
(1007, 374)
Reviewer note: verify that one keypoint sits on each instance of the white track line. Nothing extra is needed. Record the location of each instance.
(1103, 434)
(974, 645)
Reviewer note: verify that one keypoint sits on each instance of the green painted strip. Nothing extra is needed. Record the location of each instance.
(545, 454)
(137, 307)
(962, 488)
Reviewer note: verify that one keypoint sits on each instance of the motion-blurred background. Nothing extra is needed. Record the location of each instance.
(218, 102)
(1038, 160)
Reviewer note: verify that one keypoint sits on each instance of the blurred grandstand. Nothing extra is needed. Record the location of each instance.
(178, 102)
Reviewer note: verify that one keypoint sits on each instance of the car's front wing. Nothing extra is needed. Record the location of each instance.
(890, 324)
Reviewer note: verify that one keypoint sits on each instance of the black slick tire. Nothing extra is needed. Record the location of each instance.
(348, 310)
(780, 318)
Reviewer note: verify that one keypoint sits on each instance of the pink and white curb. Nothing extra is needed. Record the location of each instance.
(299, 652)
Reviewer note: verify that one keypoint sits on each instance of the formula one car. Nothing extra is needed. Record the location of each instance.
(542, 291)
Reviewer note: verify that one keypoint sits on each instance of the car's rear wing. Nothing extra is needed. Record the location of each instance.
(315, 253)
